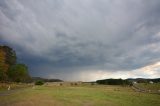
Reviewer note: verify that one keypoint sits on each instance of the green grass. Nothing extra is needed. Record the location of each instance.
(81, 95)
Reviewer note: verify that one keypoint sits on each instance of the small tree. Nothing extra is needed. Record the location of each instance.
(18, 73)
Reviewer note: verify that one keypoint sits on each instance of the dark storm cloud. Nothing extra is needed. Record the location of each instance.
(82, 34)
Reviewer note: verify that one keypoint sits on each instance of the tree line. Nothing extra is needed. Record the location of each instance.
(113, 82)
(126, 81)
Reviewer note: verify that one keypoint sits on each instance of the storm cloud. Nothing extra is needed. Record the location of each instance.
(60, 38)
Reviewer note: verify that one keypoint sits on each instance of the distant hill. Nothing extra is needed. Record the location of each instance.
(46, 80)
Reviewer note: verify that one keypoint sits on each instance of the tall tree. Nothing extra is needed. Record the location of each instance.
(9, 70)
(10, 55)
(7, 57)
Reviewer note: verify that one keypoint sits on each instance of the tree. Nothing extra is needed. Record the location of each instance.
(18, 73)
(9, 70)
(10, 55)
(7, 57)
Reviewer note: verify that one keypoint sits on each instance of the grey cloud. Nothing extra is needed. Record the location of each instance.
(103, 34)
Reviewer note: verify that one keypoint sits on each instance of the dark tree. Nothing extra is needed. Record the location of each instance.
(10, 55)
(7, 59)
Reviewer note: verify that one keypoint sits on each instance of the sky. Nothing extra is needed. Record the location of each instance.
(84, 40)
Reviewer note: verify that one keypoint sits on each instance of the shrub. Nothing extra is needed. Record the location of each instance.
(18, 73)
(39, 83)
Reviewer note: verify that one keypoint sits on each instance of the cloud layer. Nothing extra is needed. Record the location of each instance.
(61, 36)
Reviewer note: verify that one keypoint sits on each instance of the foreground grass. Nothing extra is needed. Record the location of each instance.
(4, 86)
(95, 95)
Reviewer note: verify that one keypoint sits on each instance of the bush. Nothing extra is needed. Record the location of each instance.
(18, 73)
(39, 83)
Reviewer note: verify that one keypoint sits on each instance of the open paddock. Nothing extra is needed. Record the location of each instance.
(84, 94)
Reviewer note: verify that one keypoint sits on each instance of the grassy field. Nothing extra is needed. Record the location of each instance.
(4, 86)
(154, 86)
(78, 95)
